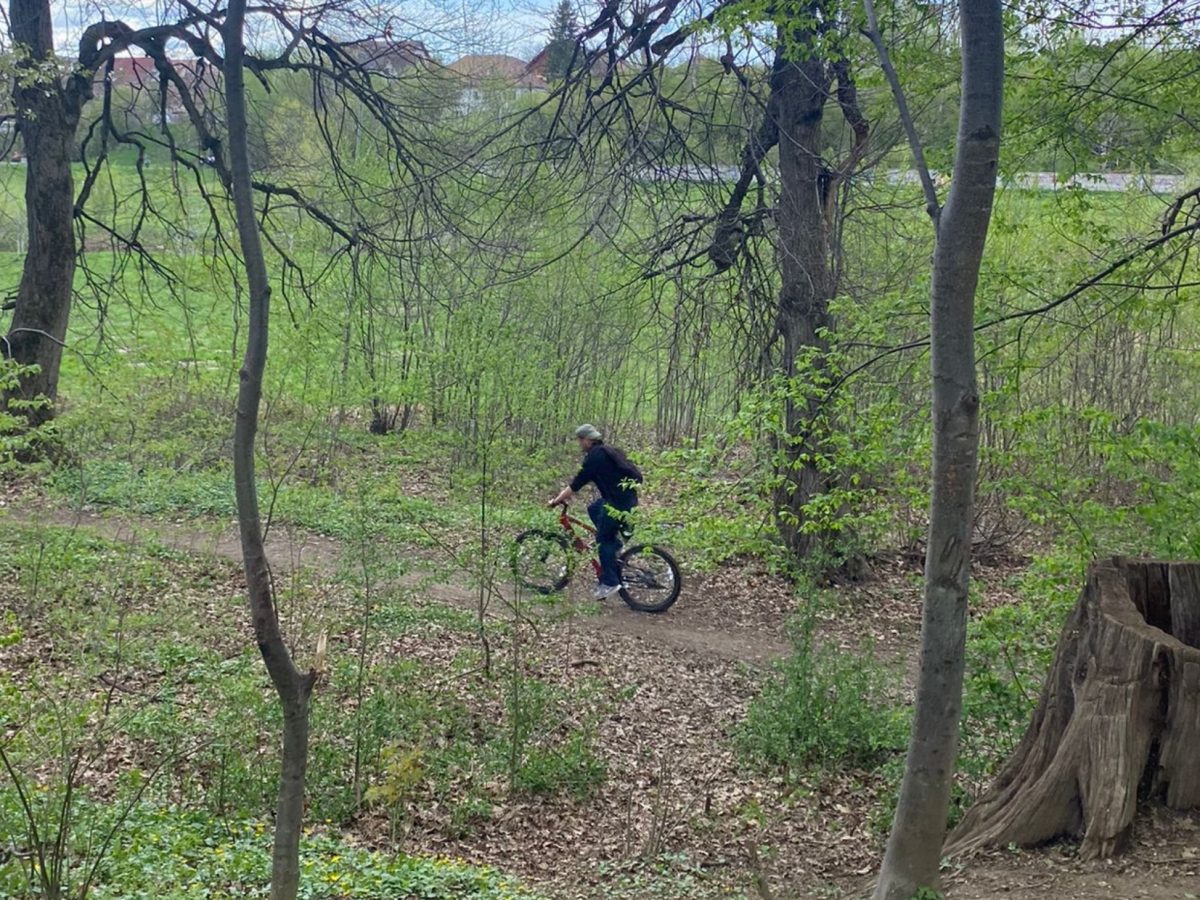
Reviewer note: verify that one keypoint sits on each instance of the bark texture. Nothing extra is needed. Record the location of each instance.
(293, 686)
(47, 110)
(915, 844)
(1118, 718)
(802, 90)
(802, 83)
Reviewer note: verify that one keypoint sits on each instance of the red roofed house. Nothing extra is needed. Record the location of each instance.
(494, 77)
(536, 68)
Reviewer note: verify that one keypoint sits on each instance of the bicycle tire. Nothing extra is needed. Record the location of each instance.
(639, 582)
(542, 579)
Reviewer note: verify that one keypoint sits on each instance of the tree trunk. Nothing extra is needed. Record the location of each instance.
(47, 116)
(915, 845)
(1119, 714)
(792, 121)
(802, 89)
(293, 687)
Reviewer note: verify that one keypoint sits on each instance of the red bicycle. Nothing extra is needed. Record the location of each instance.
(544, 562)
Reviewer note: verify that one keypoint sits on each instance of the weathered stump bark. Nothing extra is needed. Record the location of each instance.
(1118, 718)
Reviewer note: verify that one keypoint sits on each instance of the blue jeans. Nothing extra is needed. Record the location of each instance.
(608, 541)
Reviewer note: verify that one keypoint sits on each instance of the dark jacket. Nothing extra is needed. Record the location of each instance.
(612, 473)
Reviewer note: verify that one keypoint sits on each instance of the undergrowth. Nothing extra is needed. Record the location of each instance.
(172, 851)
(825, 709)
(126, 682)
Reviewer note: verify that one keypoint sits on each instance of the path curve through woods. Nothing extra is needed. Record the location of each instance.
(291, 549)
(702, 654)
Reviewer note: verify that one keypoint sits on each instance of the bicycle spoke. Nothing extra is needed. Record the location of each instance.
(649, 579)
(643, 576)
(540, 562)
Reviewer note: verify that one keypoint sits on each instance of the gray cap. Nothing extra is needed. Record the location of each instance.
(588, 431)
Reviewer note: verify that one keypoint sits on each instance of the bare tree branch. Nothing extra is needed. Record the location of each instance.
(932, 206)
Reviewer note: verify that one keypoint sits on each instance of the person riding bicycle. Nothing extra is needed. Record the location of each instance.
(616, 478)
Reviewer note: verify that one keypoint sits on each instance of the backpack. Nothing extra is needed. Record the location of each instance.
(623, 465)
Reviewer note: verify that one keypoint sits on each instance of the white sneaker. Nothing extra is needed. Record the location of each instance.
(604, 591)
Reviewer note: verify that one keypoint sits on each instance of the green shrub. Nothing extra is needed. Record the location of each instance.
(18, 441)
(1009, 650)
(571, 766)
(171, 852)
(544, 754)
(824, 708)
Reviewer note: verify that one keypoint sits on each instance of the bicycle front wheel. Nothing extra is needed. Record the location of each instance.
(650, 579)
(541, 561)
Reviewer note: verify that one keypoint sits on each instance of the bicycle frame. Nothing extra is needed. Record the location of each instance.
(569, 522)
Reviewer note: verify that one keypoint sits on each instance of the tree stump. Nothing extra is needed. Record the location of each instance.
(1118, 718)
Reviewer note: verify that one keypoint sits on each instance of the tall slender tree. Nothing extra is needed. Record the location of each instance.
(919, 829)
(564, 29)
(293, 686)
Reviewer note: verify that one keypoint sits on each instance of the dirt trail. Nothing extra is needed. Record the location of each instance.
(696, 623)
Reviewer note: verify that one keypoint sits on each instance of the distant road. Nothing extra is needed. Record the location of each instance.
(1113, 181)
(1110, 182)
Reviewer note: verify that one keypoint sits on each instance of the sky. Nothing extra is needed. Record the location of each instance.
(453, 28)
(450, 28)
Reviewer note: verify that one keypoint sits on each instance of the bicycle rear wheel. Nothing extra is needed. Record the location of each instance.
(541, 561)
(650, 579)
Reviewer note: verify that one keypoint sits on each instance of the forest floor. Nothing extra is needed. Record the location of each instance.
(679, 815)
